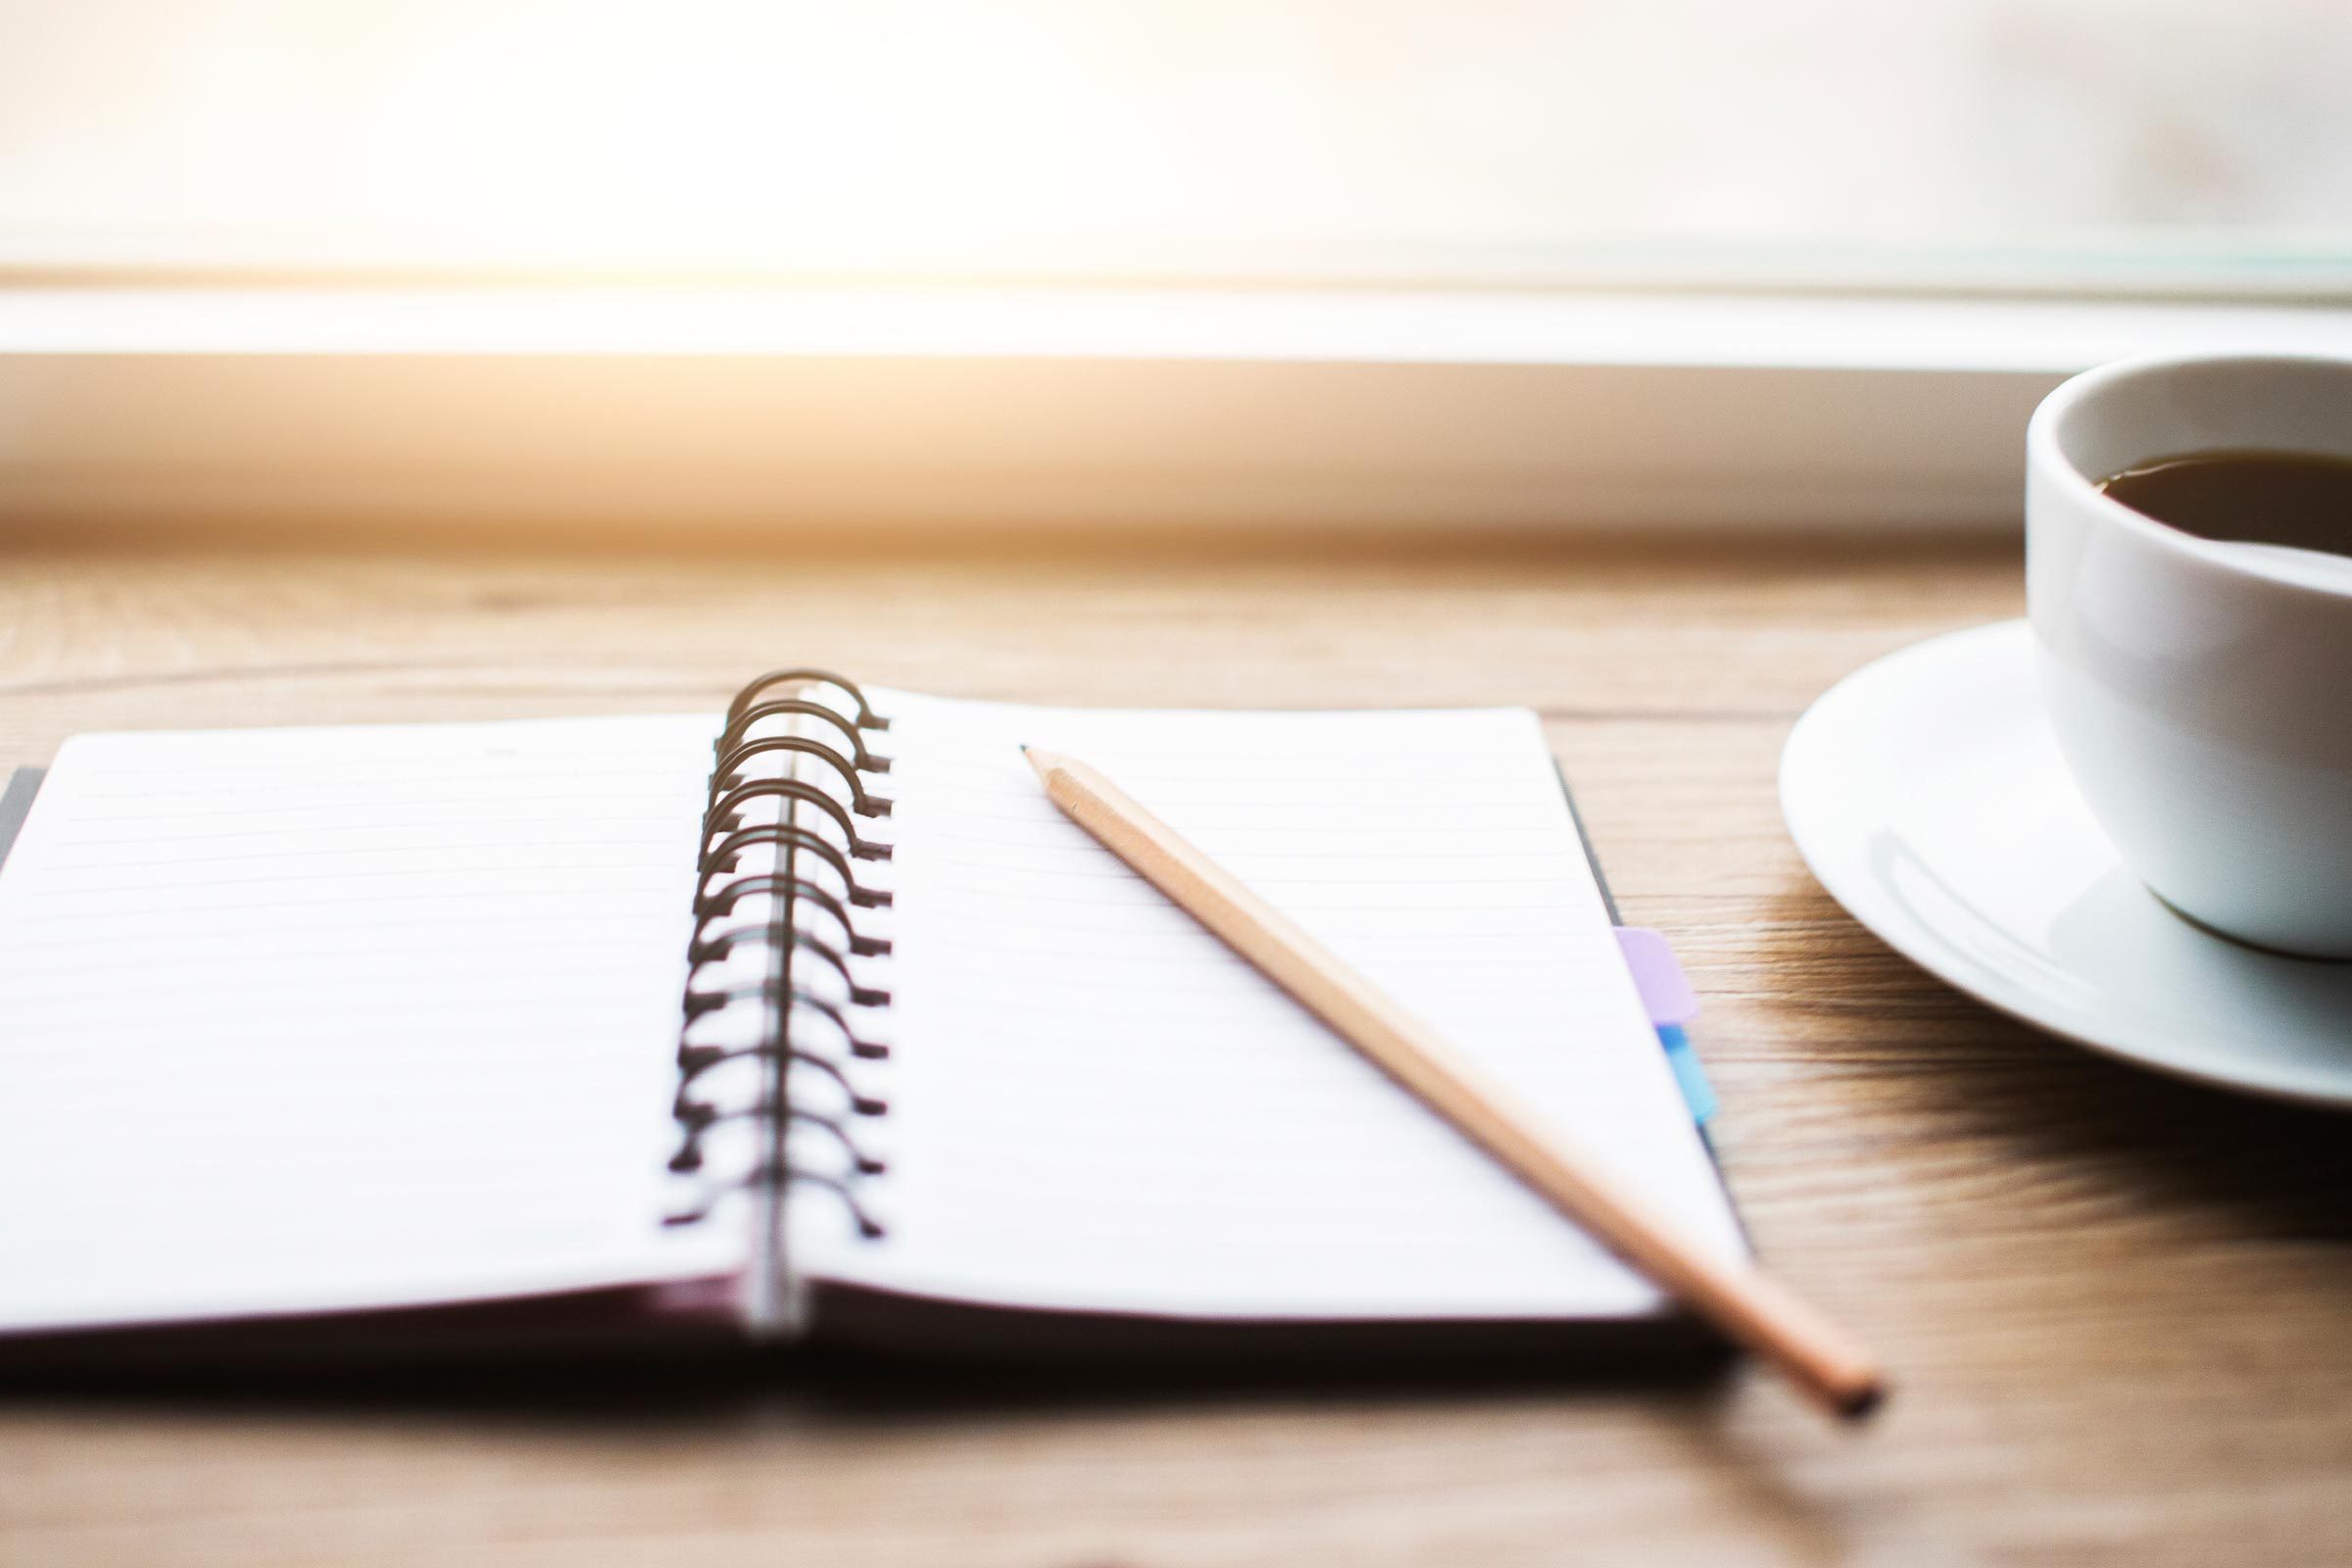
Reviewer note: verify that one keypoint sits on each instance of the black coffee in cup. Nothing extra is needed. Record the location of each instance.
(2301, 499)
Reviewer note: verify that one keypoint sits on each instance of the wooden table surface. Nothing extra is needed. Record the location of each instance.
(2120, 1308)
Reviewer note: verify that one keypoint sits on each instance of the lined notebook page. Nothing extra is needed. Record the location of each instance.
(311, 1019)
(1095, 1106)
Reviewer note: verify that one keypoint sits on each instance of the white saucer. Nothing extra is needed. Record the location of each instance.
(1927, 793)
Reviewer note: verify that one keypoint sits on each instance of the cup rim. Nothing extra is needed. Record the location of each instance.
(2043, 453)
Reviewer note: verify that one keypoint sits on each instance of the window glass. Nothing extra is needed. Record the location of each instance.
(2165, 146)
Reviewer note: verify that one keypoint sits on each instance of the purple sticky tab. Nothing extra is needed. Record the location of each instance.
(1658, 975)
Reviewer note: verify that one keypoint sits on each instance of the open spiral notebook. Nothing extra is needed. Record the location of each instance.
(375, 1035)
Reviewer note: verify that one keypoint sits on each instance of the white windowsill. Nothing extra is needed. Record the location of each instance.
(783, 409)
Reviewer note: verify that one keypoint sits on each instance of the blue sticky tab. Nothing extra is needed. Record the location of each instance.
(1697, 1091)
(1671, 1001)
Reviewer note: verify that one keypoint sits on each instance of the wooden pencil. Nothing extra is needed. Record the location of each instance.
(1748, 1306)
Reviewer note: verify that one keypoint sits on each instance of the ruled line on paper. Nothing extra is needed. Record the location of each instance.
(1095, 1106)
(365, 1016)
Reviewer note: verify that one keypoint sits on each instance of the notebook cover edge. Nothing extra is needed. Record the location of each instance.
(15, 805)
(1608, 900)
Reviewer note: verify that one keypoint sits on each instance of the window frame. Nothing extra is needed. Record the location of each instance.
(776, 409)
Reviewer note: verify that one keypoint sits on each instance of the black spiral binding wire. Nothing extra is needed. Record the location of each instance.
(812, 922)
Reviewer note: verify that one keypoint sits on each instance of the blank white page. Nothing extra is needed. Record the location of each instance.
(1095, 1106)
(301, 1020)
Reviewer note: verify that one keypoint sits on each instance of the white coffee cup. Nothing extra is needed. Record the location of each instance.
(2201, 691)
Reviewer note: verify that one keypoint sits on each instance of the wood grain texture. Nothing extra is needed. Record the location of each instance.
(2120, 1308)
